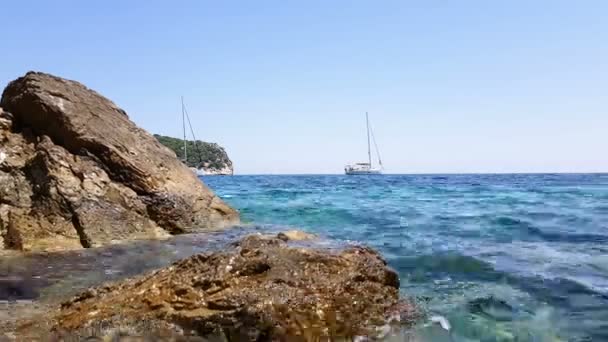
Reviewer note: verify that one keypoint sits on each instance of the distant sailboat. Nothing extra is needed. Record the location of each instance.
(366, 168)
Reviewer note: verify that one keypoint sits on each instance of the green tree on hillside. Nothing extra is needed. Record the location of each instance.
(200, 153)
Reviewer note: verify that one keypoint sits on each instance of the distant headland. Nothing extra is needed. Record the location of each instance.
(207, 158)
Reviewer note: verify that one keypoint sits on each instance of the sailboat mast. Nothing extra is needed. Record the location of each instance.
(369, 151)
(184, 128)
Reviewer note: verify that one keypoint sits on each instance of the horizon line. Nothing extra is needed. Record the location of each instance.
(428, 173)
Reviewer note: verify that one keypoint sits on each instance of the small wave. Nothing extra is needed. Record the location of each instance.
(558, 291)
(452, 264)
(510, 222)
(602, 209)
(567, 237)
(527, 229)
(493, 307)
(287, 192)
(539, 215)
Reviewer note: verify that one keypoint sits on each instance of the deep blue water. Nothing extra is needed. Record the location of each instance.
(503, 257)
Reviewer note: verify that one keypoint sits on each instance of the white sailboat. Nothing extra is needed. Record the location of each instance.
(366, 168)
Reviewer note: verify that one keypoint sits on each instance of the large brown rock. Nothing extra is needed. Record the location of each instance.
(76, 172)
(261, 290)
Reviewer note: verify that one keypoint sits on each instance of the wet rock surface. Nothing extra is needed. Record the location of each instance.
(296, 235)
(76, 172)
(259, 289)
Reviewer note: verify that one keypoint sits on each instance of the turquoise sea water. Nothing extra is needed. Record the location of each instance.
(503, 257)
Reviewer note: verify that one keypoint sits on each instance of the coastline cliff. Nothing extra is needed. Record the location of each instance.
(76, 172)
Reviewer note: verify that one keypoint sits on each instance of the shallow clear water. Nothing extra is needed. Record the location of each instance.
(54, 277)
(503, 257)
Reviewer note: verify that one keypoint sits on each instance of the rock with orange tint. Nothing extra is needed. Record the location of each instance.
(261, 290)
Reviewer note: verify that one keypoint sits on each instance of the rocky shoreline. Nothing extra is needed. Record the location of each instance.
(260, 289)
(286, 286)
(76, 174)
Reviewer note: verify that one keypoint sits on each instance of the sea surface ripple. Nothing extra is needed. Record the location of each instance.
(503, 257)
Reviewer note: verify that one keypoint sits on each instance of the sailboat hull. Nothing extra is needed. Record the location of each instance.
(361, 169)
(362, 172)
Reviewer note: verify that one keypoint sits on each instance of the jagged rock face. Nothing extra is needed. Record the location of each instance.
(261, 290)
(76, 172)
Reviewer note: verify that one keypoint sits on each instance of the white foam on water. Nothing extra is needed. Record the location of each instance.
(442, 321)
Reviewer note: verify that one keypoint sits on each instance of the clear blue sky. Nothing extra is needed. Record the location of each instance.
(451, 86)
